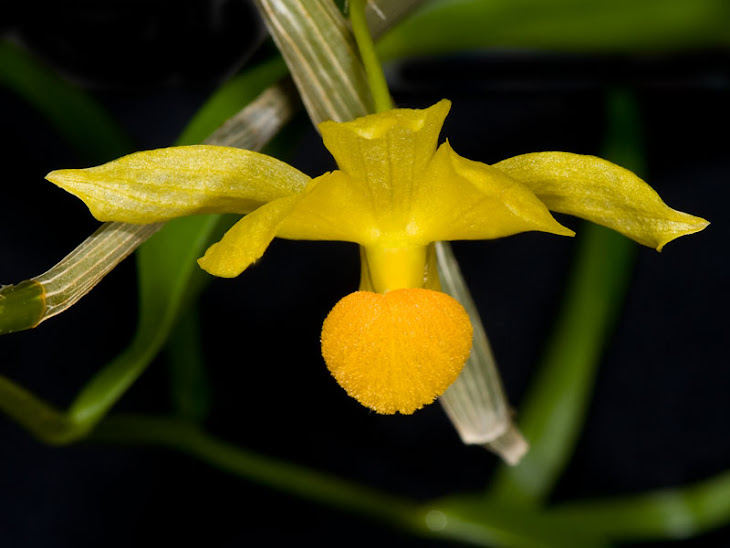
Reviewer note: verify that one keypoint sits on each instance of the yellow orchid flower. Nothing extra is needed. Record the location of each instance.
(397, 344)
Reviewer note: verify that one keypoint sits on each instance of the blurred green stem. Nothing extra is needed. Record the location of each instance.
(284, 476)
(555, 408)
(470, 523)
(665, 514)
(39, 418)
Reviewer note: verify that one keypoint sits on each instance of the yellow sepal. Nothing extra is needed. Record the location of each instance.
(159, 185)
(385, 155)
(597, 190)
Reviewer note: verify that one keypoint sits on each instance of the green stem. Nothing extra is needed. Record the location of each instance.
(373, 68)
(479, 521)
(665, 514)
(555, 408)
(41, 419)
(281, 475)
(468, 521)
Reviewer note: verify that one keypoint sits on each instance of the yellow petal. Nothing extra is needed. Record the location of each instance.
(332, 208)
(247, 240)
(399, 351)
(451, 198)
(386, 154)
(602, 192)
(394, 190)
(459, 199)
(158, 185)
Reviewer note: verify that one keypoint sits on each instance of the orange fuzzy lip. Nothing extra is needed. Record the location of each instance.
(398, 351)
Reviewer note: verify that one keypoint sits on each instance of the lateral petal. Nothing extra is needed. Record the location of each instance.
(159, 185)
(247, 240)
(460, 199)
(333, 208)
(597, 190)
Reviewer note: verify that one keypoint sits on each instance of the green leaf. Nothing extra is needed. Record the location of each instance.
(230, 98)
(190, 391)
(560, 25)
(76, 116)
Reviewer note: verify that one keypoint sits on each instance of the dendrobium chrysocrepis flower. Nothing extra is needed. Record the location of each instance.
(398, 345)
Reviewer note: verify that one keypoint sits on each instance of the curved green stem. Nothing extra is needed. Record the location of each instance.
(555, 408)
(666, 514)
(44, 421)
(467, 521)
(281, 475)
(554, 411)
(373, 68)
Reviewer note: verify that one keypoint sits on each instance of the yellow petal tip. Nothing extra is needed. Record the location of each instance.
(398, 351)
(215, 268)
(685, 225)
(561, 230)
(65, 179)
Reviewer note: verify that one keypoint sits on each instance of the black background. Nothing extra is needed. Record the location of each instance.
(660, 413)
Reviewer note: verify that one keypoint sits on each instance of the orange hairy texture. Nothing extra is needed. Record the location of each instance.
(398, 351)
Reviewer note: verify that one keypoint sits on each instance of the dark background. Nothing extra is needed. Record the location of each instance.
(660, 415)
